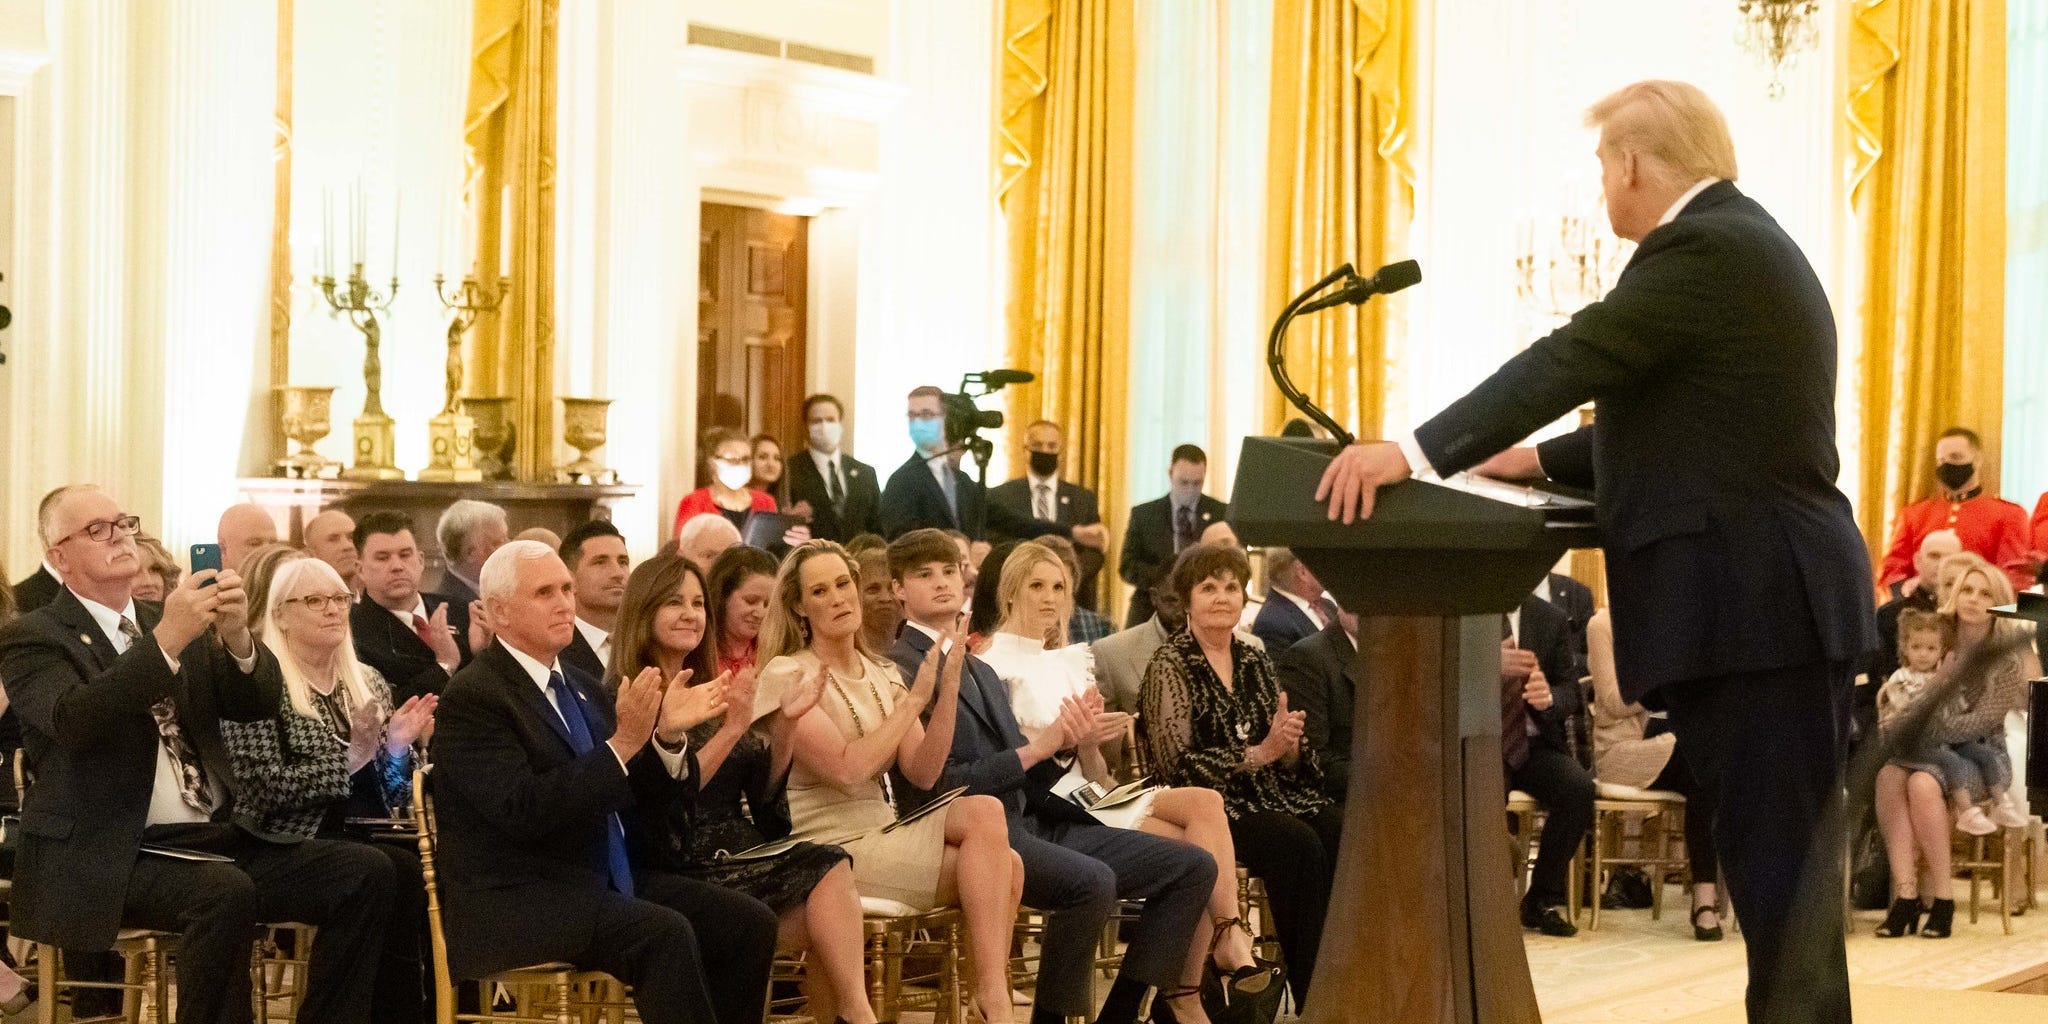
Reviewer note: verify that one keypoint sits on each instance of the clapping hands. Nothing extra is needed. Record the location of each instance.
(1284, 733)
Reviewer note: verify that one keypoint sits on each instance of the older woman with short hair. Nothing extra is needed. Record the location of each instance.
(1215, 717)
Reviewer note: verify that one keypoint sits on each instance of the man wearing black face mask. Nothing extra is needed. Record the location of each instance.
(1040, 494)
(1986, 524)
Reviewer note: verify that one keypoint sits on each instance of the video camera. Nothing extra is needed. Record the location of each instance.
(965, 420)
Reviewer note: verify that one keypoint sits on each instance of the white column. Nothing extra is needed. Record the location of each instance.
(25, 156)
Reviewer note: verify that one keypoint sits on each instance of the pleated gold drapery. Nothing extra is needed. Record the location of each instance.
(1341, 187)
(1926, 112)
(1064, 156)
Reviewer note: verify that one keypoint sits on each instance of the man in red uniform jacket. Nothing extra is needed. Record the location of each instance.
(1987, 524)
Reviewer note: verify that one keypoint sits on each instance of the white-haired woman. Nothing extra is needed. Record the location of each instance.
(336, 750)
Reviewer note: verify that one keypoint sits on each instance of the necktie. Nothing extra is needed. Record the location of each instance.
(1514, 717)
(835, 486)
(1043, 509)
(419, 626)
(947, 484)
(1183, 528)
(1327, 609)
(581, 742)
(191, 773)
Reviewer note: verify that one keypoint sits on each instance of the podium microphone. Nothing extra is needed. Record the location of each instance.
(1391, 278)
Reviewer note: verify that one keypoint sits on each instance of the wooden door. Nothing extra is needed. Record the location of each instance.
(750, 323)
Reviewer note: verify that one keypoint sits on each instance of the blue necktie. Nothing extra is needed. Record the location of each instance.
(580, 741)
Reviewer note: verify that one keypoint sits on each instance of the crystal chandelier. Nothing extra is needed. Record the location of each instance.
(1778, 31)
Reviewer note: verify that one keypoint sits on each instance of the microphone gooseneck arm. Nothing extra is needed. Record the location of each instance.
(1276, 357)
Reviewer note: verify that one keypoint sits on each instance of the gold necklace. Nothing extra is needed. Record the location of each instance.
(859, 731)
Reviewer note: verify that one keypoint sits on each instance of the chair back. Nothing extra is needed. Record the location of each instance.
(424, 827)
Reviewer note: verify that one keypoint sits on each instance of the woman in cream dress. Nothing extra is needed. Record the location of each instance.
(1034, 599)
(866, 722)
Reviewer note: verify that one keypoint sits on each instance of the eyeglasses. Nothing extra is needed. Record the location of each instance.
(99, 531)
(317, 603)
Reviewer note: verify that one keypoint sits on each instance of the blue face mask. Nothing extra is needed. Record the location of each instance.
(928, 435)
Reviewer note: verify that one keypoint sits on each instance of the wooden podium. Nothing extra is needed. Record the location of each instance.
(1424, 926)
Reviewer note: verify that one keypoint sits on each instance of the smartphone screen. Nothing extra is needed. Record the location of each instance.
(204, 557)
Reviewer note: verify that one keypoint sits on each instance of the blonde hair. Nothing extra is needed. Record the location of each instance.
(1672, 123)
(1964, 563)
(290, 576)
(784, 631)
(259, 571)
(1017, 569)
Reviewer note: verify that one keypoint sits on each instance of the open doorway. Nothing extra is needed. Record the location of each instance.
(751, 335)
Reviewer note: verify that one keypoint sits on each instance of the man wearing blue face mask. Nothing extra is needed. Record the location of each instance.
(1161, 529)
(930, 490)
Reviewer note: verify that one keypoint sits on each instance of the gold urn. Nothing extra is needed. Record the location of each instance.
(491, 434)
(583, 423)
(304, 415)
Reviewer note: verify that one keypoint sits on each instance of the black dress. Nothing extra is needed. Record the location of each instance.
(705, 829)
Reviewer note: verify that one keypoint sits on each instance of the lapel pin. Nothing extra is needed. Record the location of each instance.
(84, 639)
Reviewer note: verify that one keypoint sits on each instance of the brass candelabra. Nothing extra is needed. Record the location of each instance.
(374, 441)
(451, 433)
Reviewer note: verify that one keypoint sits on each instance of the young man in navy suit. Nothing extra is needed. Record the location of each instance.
(1739, 584)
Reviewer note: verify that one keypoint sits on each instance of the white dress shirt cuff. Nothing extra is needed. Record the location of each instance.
(1418, 463)
(676, 764)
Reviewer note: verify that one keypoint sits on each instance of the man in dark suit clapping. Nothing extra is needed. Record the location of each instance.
(121, 705)
(535, 781)
(407, 636)
(1739, 584)
(1161, 529)
(841, 493)
(1042, 496)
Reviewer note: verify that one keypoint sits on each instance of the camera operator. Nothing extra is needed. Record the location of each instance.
(930, 490)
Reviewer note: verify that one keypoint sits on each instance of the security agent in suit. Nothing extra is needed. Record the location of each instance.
(408, 637)
(843, 493)
(1320, 675)
(1161, 529)
(1739, 585)
(1075, 868)
(1044, 497)
(121, 706)
(930, 490)
(535, 781)
(1538, 697)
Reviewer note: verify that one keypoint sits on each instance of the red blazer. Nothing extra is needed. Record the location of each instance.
(1987, 525)
(698, 502)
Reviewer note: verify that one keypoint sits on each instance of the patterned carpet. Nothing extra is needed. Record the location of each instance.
(1638, 971)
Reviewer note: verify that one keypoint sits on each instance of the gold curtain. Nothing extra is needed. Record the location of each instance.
(1340, 189)
(1926, 113)
(1064, 155)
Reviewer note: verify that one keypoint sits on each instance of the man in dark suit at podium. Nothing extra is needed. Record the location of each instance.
(1161, 529)
(1739, 584)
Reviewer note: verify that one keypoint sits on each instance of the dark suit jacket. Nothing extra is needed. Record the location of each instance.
(1281, 624)
(1073, 504)
(522, 818)
(913, 500)
(396, 652)
(1148, 548)
(35, 590)
(1575, 600)
(580, 656)
(985, 741)
(1320, 675)
(1545, 631)
(862, 513)
(89, 735)
(1712, 367)
(458, 595)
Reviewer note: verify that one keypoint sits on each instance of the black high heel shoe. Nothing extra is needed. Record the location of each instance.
(1246, 995)
(1700, 934)
(1903, 918)
(1940, 918)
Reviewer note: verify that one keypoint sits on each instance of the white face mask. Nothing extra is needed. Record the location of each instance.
(735, 477)
(825, 435)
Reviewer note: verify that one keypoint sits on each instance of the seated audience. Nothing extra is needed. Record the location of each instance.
(841, 494)
(768, 471)
(1913, 803)
(1161, 529)
(41, 587)
(160, 571)
(864, 543)
(741, 584)
(1041, 495)
(930, 489)
(867, 723)
(881, 614)
(336, 749)
(1087, 624)
(121, 706)
(468, 531)
(242, 529)
(1296, 607)
(704, 537)
(405, 635)
(1121, 658)
(257, 571)
(1988, 525)
(1919, 592)
(1320, 677)
(15, 996)
(739, 805)
(1575, 600)
(982, 604)
(331, 538)
(1535, 648)
(1215, 718)
(596, 556)
(1628, 751)
(729, 461)
(1051, 693)
(534, 798)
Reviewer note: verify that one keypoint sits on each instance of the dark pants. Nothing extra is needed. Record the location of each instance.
(1077, 873)
(1700, 858)
(343, 889)
(1565, 791)
(401, 987)
(714, 967)
(1296, 858)
(1768, 748)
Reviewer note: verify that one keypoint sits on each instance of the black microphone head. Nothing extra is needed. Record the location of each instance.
(1395, 276)
(1000, 377)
